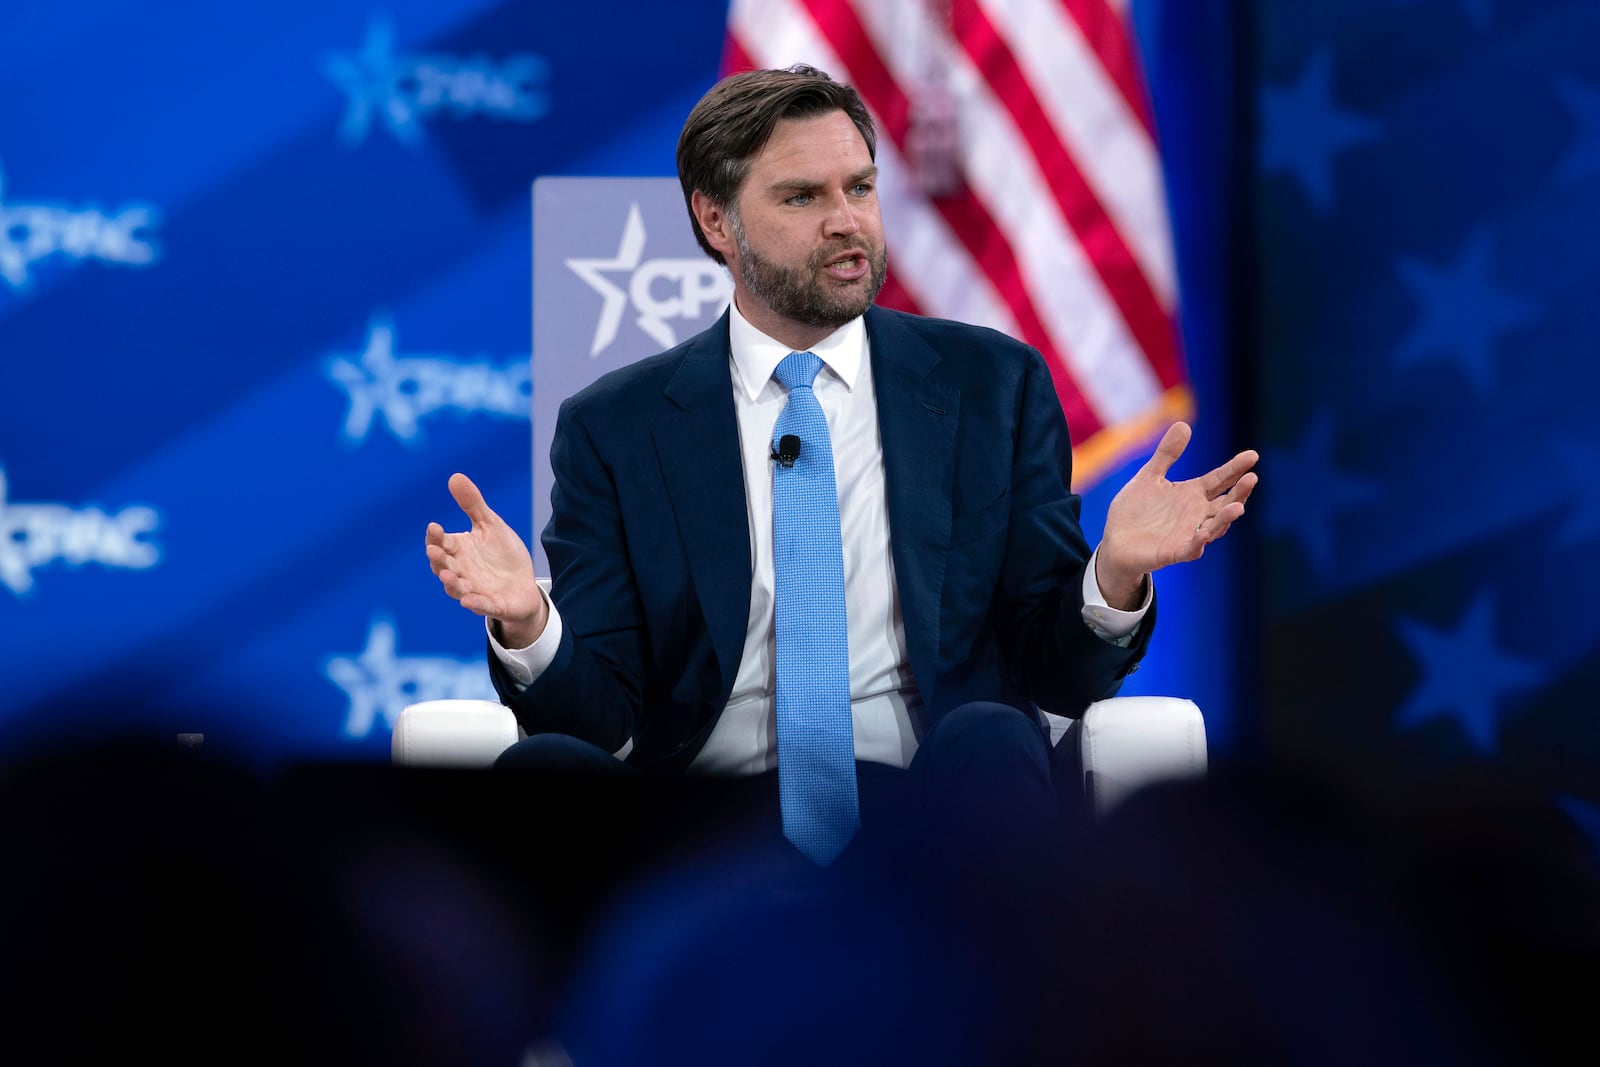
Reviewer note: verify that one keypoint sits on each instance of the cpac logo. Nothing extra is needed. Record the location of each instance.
(658, 289)
(380, 683)
(34, 535)
(407, 389)
(36, 231)
(403, 91)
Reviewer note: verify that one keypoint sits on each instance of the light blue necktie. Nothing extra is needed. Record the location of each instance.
(816, 749)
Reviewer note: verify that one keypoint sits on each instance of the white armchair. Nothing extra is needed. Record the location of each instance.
(1123, 743)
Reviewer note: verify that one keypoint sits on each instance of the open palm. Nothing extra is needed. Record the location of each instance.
(1154, 523)
(487, 568)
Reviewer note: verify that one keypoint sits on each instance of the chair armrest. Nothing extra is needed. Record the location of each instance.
(452, 733)
(1130, 742)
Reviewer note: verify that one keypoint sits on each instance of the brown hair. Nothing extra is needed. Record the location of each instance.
(734, 120)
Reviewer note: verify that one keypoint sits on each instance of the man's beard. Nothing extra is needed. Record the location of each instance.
(798, 295)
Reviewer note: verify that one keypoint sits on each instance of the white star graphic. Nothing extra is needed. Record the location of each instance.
(368, 680)
(381, 683)
(368, 78)
(616, 298)
(369, 383)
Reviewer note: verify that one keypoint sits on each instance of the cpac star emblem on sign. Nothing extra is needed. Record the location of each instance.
(659, 290)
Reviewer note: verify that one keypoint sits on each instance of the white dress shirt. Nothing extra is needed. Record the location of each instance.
(886, 710)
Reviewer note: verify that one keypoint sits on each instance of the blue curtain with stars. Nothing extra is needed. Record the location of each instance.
(1421, 289)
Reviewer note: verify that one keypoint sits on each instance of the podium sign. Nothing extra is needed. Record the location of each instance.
(617, 277)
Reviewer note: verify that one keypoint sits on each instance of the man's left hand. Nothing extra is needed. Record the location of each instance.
(1153, 522)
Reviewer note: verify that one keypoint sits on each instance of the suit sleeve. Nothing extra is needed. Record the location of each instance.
(592, 688)
(1049, 650)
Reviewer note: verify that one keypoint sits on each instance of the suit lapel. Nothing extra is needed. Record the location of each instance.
(917, 418)
(697, 440)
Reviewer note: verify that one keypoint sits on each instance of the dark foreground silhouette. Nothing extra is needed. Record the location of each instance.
(167, 902)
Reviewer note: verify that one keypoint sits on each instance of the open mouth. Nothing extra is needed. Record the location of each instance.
(848, 266)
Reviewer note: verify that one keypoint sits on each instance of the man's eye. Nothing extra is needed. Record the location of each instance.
(800, 199)
(863, 189)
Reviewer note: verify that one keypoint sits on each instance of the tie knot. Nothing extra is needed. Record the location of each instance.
(797, 369)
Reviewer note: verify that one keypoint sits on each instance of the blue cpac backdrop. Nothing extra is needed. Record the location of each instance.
(265, 282)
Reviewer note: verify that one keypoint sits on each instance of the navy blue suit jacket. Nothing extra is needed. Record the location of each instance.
(650, 553)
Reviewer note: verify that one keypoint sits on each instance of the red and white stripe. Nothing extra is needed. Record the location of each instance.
(1058, 235)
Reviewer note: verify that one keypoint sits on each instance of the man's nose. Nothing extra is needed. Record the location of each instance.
(841, 220)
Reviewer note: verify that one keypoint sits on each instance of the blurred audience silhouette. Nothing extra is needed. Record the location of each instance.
(179, 904)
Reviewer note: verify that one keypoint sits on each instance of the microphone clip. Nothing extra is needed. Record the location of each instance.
(787, 452)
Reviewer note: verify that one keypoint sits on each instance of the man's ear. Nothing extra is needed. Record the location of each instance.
(715, 223)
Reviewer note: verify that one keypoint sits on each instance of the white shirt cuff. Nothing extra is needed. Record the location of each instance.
(526, 664)
(1108, 622)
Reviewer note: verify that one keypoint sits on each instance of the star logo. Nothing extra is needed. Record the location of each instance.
(658, 289)
(369, 79)
(1464, 676)
(401, 91)
(379, 683)
(407, 389)
(368, 381)
(615, 297)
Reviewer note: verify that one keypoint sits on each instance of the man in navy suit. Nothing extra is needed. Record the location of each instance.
(971, 595)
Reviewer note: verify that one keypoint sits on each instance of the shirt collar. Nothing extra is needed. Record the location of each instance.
(756, 356)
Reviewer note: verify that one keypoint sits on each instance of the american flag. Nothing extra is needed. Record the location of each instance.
(1020, 183)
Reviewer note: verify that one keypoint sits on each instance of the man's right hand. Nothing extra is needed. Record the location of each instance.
(488, 568)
